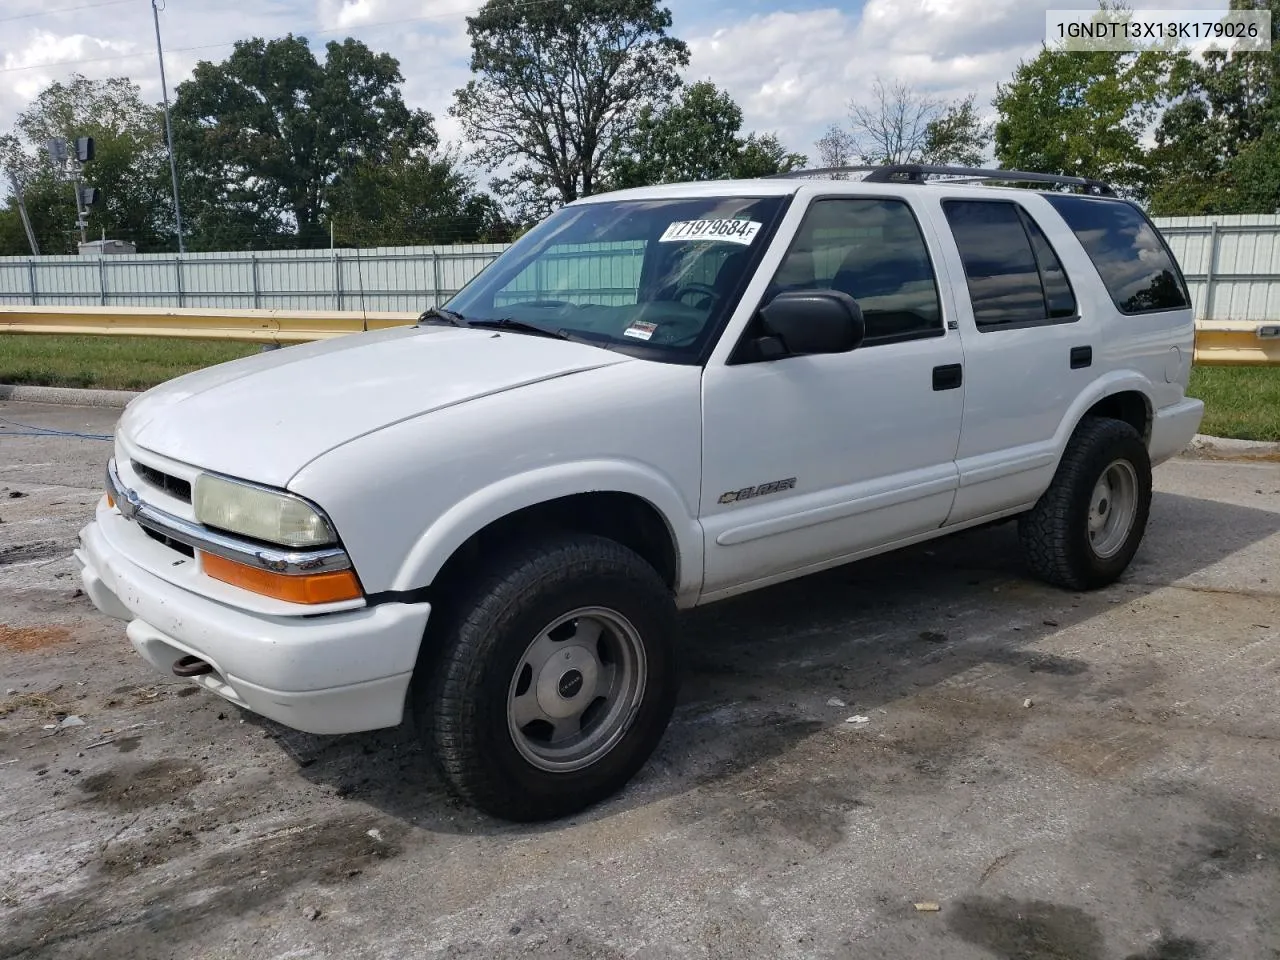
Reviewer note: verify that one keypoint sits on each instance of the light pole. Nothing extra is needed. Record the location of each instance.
(168, 127)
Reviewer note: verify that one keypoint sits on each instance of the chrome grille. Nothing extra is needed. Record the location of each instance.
(175, 487)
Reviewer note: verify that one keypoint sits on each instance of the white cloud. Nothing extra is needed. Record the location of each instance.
(427, 36)
(792, 71)
(796, 72)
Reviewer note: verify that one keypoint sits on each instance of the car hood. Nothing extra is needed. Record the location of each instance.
(265, 417)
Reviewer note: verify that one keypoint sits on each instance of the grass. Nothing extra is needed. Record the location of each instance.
(1241, 402)
(107, 362)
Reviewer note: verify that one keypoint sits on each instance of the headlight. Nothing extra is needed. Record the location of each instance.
(258, 513)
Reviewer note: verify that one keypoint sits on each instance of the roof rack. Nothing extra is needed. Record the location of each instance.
(916, 172)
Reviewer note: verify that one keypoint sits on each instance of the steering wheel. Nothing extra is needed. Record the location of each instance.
(701, 288)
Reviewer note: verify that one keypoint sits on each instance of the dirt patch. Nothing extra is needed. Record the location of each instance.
(24, 552)
(134, 786)
(1233, 456)
(1026, 929)
(1236, 839)
(25, 639)
(1100, 756)
(140, 909)
(327, 852)
(1179, 948)
(769, 810)
(43, 705)
(125, 859)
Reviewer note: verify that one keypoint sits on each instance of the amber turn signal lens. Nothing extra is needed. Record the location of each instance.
(111, 501)
(329, 587)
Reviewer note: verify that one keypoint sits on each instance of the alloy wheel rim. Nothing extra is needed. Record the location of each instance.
(576, 689)
(1112, 508)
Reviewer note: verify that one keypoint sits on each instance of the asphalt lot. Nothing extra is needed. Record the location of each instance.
(1131, 812)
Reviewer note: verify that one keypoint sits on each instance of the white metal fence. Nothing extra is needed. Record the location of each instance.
(382, 278)
(1232, 265)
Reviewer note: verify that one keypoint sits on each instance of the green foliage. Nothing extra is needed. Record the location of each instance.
(1218, 150)
(109, 363)
(558, 89)
(764, 154)
(413, 200)
(696, 137)
(957, 135)
(129, 167)
(1082, 114)
(1239, 402)
(273, 144)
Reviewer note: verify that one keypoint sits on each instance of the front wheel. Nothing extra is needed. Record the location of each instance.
(555, 680)
(1085, 529)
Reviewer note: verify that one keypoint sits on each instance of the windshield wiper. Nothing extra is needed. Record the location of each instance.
(440, 315)
(511, 323)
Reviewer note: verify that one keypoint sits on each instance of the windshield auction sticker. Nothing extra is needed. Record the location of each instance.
(731, 231)
(641, 330)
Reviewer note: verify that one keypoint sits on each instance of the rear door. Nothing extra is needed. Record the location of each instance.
(1028, 349)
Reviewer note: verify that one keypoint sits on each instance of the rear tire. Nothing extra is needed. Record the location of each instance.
(554, 680)
(1086, 528)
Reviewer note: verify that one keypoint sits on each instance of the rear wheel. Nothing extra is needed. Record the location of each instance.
(1085, 529)
(555, 678)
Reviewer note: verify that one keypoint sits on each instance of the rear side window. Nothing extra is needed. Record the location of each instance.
(1014, 276)
(1136, 266)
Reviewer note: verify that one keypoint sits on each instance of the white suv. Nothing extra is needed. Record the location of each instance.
(655, 399)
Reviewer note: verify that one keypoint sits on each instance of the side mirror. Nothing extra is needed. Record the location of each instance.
(814, 321)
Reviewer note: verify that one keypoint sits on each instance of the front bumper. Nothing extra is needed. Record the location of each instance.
(338, 672)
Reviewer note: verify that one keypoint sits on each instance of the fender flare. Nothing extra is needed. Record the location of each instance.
(491, 503)
(1117, 381)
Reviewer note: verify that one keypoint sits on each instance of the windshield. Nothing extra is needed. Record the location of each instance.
(654, 277)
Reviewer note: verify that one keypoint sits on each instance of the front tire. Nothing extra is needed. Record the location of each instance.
(555, 680)
(1086, 528)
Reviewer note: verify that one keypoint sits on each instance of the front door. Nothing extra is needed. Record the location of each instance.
(812, 460)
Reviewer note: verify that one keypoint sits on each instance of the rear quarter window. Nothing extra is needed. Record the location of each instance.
(1135, 264)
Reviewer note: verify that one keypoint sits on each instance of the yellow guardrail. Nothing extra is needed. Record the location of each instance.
(1218, 343)
(253, 326)
(1221, 343)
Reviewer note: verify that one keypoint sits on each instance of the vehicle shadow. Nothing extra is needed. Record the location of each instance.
(763, 671)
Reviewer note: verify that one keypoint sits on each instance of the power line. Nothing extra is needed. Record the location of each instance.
(230, 43)
(50, 13)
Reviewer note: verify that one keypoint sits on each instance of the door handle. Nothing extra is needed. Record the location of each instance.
(949, 376)
(1081, 357)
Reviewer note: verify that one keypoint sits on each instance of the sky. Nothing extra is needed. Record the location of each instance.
(792, 65)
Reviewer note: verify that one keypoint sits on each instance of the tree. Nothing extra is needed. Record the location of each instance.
(836, 148)
(128, 166)
(695, 137)
(413, 200)
(902, 125)
(762, 155)
(559, 87)
(267, 138)
(1216, 146)
(1084, 113)
(956, 136)
(894, 126)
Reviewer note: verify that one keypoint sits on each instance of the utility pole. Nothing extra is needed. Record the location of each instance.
(168, 126)
(22, 213)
